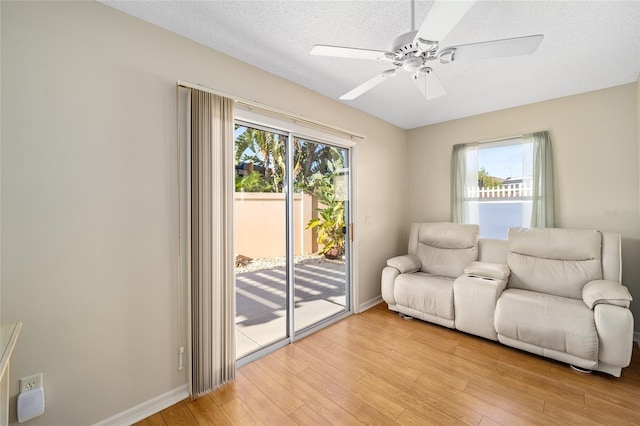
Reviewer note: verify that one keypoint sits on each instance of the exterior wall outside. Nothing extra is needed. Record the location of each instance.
(260, 224)
(595, 154)
(90, 198)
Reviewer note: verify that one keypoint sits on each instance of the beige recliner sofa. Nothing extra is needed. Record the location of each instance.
(553, 292)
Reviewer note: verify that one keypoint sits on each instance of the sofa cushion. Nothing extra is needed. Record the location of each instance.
(546, 321)
(446, 248)
(425, 293)
(554, 261)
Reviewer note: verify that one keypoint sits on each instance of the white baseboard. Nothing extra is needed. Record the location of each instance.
(147, 408)
(369, 304)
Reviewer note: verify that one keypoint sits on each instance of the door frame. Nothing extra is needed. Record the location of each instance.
(292, 129)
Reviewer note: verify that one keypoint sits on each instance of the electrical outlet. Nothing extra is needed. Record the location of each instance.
(31, 382)
(181, 358)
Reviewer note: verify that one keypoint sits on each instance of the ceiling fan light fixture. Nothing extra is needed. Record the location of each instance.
(412, 64)
(447, 56)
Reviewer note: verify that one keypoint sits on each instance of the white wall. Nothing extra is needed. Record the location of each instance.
(89, 204)
(595, 148)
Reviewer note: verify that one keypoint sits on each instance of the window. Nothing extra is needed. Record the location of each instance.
(503, 184)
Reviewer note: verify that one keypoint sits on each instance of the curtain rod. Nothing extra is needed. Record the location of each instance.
(263, 107)
(506, 138)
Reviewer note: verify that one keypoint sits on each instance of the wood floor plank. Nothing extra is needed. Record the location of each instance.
(430, 406)
(597, 405)
(259, 403)
(377, 368)
(486, 421)
(580, 417)
(304, 415)
(347, 365)
(411, 418)
(311, 397)
(367, 358)
(497, 414)
(352, 396)
(223, 394)
(178, 415)
(518, 404)
(155, 420)
(240, 414)
(206, 412)
(280, 395)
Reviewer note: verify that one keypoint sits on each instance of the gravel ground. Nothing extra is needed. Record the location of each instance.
(280, 262)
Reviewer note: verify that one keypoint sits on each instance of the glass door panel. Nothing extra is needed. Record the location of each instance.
(260, 239)
(321, 235)
(291, 237)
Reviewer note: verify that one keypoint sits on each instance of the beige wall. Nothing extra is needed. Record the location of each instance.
(595, 150)
(90, 204)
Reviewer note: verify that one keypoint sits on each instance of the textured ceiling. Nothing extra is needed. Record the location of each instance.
(587, 45)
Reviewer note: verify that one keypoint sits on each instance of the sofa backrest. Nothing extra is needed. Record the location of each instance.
(492, 250)
(554, 260)
(444, 248)
(612, 257)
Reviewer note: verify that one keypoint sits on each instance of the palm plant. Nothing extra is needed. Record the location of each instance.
(265, 150)
(331, 220)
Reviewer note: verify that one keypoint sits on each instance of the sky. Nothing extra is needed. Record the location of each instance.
(502, 161)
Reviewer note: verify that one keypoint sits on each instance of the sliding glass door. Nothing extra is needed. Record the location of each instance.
(321, 174)
(292, 236)
(260, 238)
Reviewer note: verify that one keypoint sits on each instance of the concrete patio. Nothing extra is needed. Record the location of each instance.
(261, 302)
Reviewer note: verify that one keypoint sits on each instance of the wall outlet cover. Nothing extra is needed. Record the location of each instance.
(31, 382)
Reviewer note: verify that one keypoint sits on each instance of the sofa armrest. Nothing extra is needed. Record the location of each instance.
(498, 271)
(604, 291)
(474, 302)
(405, 264)
(615, 331)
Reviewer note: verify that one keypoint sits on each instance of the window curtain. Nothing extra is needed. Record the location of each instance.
(212, 269)
(542, 205)
(464, 173)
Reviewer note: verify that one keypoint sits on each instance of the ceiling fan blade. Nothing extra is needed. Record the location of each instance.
(350, 52)
(368, 85)
(442, 17)
(493, 49)
(428, 83)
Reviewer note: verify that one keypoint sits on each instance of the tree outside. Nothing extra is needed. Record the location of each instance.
(487, 181)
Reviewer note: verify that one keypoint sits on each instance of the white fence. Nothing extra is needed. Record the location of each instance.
(514, 190)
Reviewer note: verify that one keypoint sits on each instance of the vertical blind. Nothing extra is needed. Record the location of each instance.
(212, 280)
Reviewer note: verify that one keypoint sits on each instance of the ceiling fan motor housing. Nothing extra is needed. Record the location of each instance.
(407, 47)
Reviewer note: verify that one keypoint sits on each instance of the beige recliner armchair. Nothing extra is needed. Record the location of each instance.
(565, 300)
(420, 284)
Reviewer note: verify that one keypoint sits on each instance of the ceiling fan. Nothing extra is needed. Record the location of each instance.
(413, 51)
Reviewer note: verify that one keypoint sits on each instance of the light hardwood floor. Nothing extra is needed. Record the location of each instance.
(376, 368)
